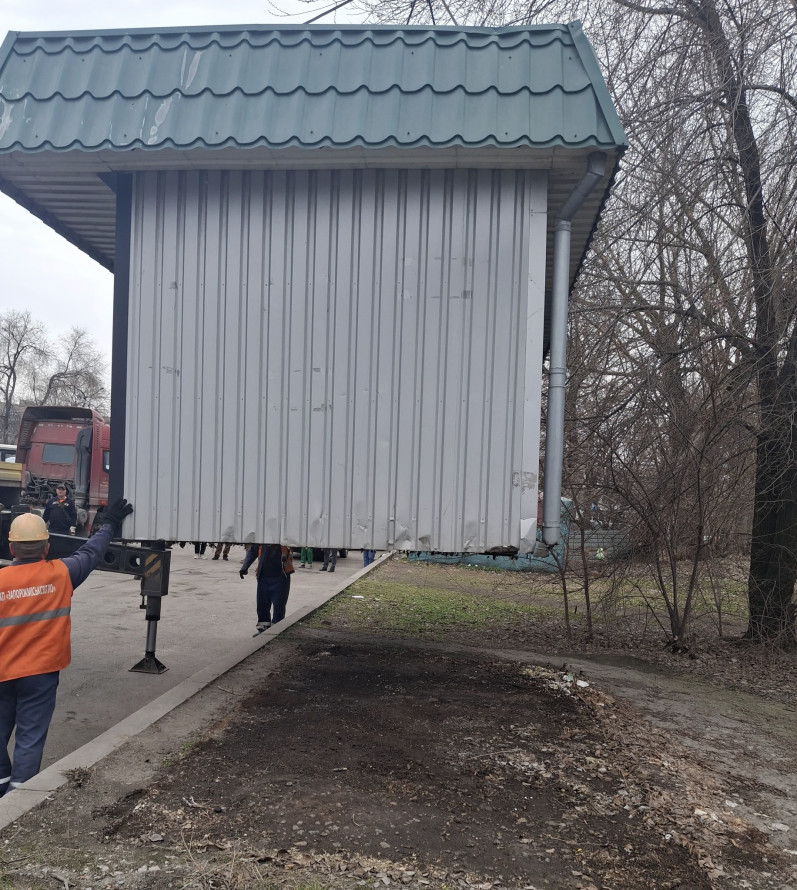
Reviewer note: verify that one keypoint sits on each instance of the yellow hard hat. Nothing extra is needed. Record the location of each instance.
(28, 527)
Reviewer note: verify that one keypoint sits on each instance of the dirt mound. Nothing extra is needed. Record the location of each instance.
(440, 765)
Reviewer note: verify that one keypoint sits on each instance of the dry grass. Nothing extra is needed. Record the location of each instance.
(513, 610)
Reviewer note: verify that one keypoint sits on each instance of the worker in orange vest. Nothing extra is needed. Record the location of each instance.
(35, 602)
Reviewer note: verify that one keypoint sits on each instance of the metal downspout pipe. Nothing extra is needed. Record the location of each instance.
(557, 365)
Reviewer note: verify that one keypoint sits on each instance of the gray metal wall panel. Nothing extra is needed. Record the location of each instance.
(347, 358)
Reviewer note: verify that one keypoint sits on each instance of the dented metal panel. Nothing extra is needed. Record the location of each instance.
(337, 358)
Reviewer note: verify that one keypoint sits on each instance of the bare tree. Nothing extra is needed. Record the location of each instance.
(75, 375)
(36, 370)
(655, 439)
(22, 346)
(715, 133)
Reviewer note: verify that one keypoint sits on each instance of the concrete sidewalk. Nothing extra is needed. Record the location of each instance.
(206, 628)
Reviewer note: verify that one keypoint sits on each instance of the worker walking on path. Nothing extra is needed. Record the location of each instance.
(274, 570)
(35, 625)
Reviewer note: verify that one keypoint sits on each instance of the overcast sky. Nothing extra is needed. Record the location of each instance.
(40, 270)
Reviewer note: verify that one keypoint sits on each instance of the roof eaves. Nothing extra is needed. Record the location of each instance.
(590, 62)
(55, 224)
(599, 215)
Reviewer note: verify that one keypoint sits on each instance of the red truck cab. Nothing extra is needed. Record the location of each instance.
(70, 445)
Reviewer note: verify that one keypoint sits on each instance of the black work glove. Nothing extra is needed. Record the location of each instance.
(116, 514)
(243, 572)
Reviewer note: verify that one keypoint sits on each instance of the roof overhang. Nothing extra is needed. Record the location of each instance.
(79, 108)
(73, 192)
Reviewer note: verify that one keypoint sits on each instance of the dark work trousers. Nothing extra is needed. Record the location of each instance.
(226, 546)
(330, 559)
(27, 703)
(272, 597)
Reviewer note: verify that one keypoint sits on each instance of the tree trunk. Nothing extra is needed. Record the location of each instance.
(773, 557)
(773, 554)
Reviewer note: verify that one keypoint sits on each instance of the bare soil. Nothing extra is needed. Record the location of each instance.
(343, 757)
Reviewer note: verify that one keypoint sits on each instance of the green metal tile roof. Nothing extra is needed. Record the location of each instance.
(305, 87)
(77, 108)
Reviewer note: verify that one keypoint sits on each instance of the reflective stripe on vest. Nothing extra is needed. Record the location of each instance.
(35, 603)
(36, 616)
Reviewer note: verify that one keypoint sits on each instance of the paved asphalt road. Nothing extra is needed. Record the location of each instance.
(209, 612)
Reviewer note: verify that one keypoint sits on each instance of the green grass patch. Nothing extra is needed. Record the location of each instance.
(439, 602)
(181, 754)
(418, 611)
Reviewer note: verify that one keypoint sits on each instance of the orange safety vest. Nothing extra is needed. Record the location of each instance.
(35, 601)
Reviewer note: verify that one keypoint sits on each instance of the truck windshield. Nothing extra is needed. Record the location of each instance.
(58, 454)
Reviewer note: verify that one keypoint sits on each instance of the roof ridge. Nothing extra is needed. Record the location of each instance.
(95, 40)
(267, 26)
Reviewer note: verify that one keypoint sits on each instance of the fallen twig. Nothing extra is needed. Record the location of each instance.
(492, 753)
(57, 876)
(190, 802)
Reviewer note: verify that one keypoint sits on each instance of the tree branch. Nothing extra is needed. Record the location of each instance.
(655, 10)
(771, 88)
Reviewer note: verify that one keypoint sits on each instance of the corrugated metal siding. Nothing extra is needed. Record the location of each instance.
(337, 358)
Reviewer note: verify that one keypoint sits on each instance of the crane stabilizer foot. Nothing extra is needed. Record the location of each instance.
(149, 664)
